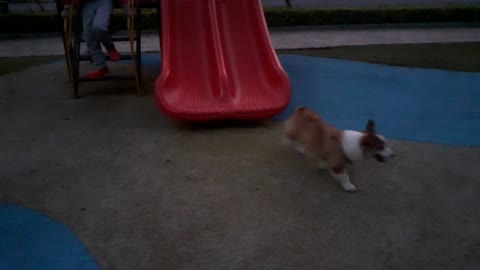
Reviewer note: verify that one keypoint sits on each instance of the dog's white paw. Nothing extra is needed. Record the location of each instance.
(300, 149)
(349, 187)
(322, 165)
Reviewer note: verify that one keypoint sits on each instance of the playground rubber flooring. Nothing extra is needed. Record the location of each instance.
(108, 182)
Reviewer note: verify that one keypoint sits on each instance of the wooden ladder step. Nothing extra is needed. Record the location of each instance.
(108, 78)
(86, 57)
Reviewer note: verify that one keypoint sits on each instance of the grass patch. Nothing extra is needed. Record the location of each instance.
(11, 64)
(449, 56)
(360, 15)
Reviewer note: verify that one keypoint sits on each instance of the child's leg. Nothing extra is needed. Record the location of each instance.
(107, 40)
(102, 23)
(88, 13)
(96, 28)
(108, 43)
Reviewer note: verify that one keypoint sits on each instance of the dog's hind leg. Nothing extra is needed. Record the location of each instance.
(286, 140)
(298, 146)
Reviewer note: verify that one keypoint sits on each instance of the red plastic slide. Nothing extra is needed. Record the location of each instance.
(218, 62)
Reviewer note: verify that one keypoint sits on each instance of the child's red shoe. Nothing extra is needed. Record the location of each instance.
(114, 55)
(97, 74)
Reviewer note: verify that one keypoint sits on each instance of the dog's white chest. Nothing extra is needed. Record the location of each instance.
(351, 144)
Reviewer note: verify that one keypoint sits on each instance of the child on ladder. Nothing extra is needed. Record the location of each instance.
(96, 16)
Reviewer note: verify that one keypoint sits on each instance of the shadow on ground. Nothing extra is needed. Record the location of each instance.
(143, 192)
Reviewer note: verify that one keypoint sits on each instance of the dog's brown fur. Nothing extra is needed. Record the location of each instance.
(320, 139)
(331, 147)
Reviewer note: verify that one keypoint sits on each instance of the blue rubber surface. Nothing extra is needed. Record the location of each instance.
(30, 241)
(425, 105)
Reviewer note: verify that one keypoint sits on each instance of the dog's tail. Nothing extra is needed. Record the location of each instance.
(306, 114)
(300, 109)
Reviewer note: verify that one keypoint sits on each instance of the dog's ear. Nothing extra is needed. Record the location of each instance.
(370, 127)
(367, 141)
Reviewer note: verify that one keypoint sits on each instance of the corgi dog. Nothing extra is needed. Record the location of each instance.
(333, 148)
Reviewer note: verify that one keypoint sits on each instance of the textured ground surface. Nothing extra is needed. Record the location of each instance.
(142, 192)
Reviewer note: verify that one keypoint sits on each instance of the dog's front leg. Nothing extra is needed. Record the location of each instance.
(322, 165)
(341, 176)
(300, 148)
